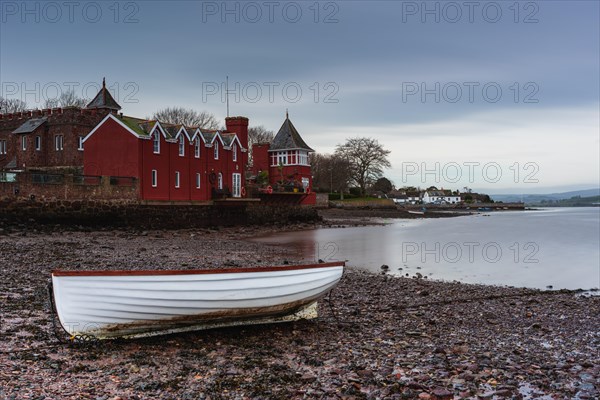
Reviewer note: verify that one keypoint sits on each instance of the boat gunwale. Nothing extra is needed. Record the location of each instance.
(163, 272)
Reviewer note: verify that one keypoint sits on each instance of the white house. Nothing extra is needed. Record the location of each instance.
(440, 197)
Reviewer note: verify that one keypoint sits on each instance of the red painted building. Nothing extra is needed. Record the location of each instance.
(50, 139)
(286, 159)
(172, 162)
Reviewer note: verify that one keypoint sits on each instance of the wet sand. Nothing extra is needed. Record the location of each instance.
(381, 337)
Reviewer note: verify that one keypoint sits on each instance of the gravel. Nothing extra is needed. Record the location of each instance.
(380, 337)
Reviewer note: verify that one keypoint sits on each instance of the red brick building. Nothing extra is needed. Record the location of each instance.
(51, 138)
(172, 162)
(287, 162)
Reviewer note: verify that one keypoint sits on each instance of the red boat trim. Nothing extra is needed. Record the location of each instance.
(196, 271)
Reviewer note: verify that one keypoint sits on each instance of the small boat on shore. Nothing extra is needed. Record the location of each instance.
(110, 304)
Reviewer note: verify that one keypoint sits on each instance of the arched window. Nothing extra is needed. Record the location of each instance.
(220, 181)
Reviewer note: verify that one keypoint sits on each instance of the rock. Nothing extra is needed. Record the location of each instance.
(385, 267)
(442, 394)
(424, 396)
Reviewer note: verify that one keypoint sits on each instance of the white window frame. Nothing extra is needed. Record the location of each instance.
(282, 158)
(38, 143)
(216, 150)
(198, 180)
(177, 180)
(302, 158)
(220, 181)
(80, 144)
(154, 178)
(181, 146)
(2, 146)
(236, 184)
(24, 143)
(234, 149)
(156, 142)
(197, 148)
(58, 142)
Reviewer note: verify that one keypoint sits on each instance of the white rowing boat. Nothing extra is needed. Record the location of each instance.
(108, 304)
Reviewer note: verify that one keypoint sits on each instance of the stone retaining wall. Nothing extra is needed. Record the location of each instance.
(130, 213)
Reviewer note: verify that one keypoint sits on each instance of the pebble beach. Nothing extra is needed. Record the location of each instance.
(379, 337)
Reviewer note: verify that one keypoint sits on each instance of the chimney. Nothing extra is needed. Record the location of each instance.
(238, 125)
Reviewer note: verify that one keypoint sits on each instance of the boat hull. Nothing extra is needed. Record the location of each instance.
(108, 304)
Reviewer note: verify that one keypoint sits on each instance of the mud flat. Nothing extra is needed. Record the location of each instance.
(380, 337)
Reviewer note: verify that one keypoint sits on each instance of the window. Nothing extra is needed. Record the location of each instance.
(220, 181)
(216, 150)
(80, 145)
(2, 146)
(234, 149)
(154, 178)
(181, 145)
(156, 140)
(197, 148)
(282, 158)
(58, 142)
(305, 183)
(24, 143)
(236, 184)
(38, 143)
(177, 179)
(198, 177)
(303, 158)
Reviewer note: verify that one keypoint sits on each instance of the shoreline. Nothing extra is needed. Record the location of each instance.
(381, 337)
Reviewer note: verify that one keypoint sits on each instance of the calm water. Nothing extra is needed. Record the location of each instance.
(552, 247)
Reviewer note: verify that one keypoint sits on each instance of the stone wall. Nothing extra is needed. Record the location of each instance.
(135, 214)
(43, 187)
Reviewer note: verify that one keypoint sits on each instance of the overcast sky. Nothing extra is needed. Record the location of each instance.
(497, 96)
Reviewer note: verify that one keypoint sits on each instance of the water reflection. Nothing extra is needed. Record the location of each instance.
(557, 247)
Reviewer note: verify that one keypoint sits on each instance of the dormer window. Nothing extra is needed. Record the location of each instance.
(197, 148)
(234, 149)
(181, 145)
(156, 140)
(216, 150)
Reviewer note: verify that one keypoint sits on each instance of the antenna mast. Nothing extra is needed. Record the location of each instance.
(227, 93)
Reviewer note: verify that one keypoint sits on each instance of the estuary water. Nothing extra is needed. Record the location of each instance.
(555, 248)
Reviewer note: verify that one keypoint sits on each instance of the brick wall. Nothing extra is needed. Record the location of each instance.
(70, 123)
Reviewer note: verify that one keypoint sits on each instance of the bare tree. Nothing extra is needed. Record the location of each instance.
(12, 105)
(330, 172)
(66, 99)
(366, 158)
(187, 117)
(256, 135)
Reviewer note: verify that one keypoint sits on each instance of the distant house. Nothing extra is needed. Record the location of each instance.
(286, 160)
(440, 197)
(400, 199)
(413, 197)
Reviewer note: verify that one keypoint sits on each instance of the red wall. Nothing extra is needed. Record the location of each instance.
(112, 151)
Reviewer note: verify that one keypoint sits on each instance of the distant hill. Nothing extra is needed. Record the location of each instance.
(539, 198)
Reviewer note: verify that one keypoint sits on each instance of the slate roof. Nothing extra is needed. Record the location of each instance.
(288, 138)
(104, 99)
(30, 125)
(12, 163)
